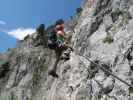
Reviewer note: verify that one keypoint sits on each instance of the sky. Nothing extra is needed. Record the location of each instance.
(21, 17)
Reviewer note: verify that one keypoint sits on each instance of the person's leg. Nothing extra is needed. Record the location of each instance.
(53, 71)
(58, 54)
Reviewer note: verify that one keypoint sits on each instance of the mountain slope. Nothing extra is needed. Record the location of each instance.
(103, 34)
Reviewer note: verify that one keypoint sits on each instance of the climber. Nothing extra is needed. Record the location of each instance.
(64, 38)
(60, 44)
(58, 48)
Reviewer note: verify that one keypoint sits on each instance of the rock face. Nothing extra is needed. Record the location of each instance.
(103, 34)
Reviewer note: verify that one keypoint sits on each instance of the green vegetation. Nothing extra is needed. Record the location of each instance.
(126, 17)
(115, 14)
(37, 74)
(108, 39)
(79, 11)
(41, 28)
(2, 62)
(36, 78)
(29, 98)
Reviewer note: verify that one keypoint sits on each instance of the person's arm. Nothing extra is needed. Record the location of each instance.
(64, 35)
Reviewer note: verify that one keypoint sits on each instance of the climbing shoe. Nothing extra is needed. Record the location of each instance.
(53, 73)
(67, 54)
(64, 57)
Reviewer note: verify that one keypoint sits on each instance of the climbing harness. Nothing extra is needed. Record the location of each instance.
(107, 71)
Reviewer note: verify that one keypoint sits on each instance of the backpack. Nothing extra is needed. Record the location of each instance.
(52, 40)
